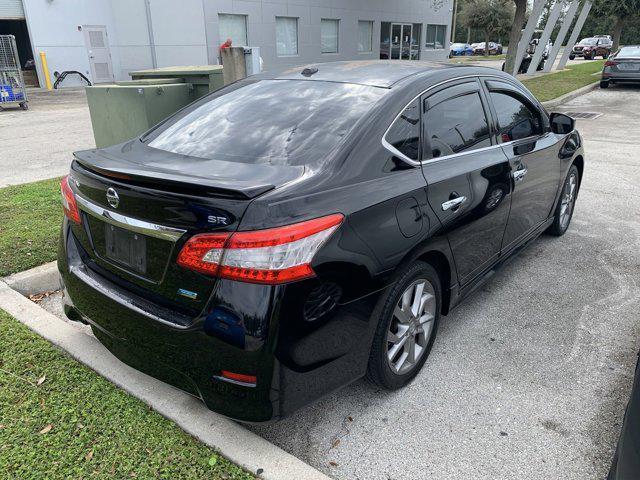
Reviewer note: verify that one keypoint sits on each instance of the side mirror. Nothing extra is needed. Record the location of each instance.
(562, 124)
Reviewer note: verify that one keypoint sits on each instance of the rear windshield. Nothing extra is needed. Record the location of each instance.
(629, 52)
(283, 122)
(588, 41)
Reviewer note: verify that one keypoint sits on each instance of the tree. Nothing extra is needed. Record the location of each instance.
(492, 17)
(515, 33)
(621, 13)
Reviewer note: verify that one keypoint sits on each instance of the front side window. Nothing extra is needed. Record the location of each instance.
(456, 125)
(516, 120)
(233, 27)
(404, 133)
(365, 36)
(328, 36)
(286, 36)
(436, 36)
(275, 122)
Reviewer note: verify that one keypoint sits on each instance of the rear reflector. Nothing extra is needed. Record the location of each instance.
(272, 256)
(69, 201)
(246, 380)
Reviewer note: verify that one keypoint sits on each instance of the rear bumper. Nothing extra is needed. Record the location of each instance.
(621, 77)
(294, 364)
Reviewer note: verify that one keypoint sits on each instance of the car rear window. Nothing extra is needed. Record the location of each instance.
(629, 52)
(283, 122)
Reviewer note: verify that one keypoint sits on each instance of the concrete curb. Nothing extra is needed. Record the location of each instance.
(37, 280)
(571, 95)
(233, 441)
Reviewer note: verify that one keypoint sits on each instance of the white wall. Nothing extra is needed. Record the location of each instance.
(53, 27)
(178, 30)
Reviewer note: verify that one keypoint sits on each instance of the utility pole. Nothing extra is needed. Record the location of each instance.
(454, 23)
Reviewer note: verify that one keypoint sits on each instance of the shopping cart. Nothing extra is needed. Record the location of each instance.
(12, 91)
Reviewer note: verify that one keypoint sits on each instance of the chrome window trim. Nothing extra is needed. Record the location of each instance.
(415, 163)
(129, 223)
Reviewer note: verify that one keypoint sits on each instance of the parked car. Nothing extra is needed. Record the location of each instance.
(460, 49)
(494, 48)
(593, 47)
(291, 233)
(528, 57)
(623, 66)
(626, 460)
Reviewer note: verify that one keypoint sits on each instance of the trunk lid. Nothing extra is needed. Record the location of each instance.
(139, 205)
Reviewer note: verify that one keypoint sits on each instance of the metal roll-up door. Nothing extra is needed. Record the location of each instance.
(11, 10)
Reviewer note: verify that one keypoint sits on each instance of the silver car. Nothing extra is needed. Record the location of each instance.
(623, 66)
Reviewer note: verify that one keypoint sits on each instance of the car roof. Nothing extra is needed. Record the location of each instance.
(374, 73)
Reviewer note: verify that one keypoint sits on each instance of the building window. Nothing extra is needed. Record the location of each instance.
(233, 27)
(436, 35)
(329, 36)
(365, 36)
(286, 36)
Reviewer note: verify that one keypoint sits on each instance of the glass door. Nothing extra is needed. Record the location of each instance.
(407, 34)
(396, 40)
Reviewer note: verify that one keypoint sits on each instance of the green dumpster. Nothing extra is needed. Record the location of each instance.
(204, 78)
(127, 109)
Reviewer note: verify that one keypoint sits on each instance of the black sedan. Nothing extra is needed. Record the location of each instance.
(289, 234)
(622, 67)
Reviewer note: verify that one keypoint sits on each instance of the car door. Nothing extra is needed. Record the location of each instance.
(467, 174)
(522, 130)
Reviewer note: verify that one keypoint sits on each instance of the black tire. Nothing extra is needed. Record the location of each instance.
(558, 228)
(379, 371)
(605, 55)
(572, 57)
(24, 105)
(604, 84)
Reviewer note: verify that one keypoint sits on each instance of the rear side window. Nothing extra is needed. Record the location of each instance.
(516, 120)
(457, 125)
(280, 122)
(404, 133)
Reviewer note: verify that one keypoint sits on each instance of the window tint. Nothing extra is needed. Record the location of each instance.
(629, 52)
(404, 134)
(282, 122)
(457, 125)
(515, 119)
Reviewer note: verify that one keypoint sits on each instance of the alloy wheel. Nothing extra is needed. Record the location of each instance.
(411, 326)
(568, 200)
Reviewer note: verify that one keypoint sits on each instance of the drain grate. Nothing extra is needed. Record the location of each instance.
(585, 115)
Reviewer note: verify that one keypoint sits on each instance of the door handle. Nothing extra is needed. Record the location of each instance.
(453, 203)
(518, 175)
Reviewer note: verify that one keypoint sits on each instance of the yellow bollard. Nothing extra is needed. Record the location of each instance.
(45, 70)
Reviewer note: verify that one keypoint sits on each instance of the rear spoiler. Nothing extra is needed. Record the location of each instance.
(96, 162)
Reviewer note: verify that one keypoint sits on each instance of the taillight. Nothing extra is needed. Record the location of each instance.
(272, 256)
(69, 201)
(610, 63)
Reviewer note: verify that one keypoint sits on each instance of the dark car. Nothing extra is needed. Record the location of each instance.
(626, 460)
(494, 48)
(622, 67)
(289, 234)
(590, 48)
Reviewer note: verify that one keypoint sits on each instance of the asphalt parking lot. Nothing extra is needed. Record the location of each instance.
(38, 143)
(529, 377)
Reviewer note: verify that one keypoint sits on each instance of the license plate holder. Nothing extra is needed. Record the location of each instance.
(126, 248)
(628, 67)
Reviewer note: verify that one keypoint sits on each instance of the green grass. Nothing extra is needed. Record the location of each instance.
(548, 87)
(478, 58)
(76, 424)
(30, 218)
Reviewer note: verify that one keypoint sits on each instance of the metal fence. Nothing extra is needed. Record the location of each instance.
(12, 90)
